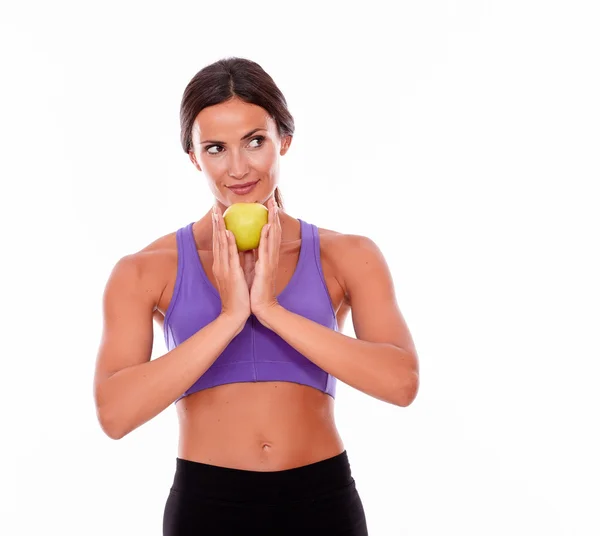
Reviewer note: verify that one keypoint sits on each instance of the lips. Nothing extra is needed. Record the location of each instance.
(243, 189)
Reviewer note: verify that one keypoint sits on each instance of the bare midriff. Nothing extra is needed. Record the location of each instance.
(258, 426)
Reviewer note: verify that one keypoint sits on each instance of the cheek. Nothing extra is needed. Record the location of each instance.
(210, 162)
(265, 159)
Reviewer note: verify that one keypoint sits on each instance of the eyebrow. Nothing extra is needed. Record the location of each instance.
(242, 138)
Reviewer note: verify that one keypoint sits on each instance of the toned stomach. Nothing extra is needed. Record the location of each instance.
(258, 426)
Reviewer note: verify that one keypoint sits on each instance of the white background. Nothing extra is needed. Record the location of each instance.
(461, 136)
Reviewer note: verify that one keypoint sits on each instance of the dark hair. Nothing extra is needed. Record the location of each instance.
(226, 79)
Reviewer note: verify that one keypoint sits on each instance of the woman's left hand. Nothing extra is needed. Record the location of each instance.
(262, 292)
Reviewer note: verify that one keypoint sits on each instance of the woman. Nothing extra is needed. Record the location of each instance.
(253, 338)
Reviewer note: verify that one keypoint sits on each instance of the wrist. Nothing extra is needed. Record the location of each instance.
(236, 320)
(264, 313)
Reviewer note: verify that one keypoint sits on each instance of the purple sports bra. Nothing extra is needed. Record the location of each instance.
(256, 354)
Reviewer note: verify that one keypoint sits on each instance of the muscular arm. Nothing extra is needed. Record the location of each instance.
(129, 387)
(382, 360)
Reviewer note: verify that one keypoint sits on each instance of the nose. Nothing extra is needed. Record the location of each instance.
(238, 166)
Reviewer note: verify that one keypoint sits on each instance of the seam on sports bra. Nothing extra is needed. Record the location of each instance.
(301, 260)
(317, 257)
(196, 260)
(218, 365)
(176, 289)
(253, 346)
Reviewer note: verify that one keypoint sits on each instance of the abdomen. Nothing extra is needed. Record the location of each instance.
(258, 426)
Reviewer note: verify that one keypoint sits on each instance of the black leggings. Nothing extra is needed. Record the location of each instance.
(319, 499)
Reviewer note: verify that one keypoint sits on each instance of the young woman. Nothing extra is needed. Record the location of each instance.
(253, 338)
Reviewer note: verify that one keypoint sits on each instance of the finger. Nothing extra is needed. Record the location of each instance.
(270, 218)
(223, 248)
(234, 256)
(215, 241)
(274, 237)
(269, 226)
(272, 245)
(263, 245)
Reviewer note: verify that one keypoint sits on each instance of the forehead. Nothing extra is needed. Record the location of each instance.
(231, 118)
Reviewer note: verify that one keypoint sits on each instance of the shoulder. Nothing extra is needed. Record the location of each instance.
(353, 256)
(348, 245)
(154, 256)
(148, 269)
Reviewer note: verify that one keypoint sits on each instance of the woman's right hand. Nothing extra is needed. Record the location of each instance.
(229, 274)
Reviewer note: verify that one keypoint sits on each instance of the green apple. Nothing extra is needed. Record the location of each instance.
(245, 221)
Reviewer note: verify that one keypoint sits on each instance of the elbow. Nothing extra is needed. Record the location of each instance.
(110, 425)
(114, 434)
(407, 392)
(110, 420)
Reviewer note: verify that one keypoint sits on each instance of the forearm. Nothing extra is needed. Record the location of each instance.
(134, 395)
(381, 370)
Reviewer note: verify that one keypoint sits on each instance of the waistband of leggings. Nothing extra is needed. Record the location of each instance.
(212, 481)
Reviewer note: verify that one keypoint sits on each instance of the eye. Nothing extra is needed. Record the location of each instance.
(259, 138)
(206, 149)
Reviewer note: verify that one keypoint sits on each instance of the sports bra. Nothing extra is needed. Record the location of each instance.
(255, 354)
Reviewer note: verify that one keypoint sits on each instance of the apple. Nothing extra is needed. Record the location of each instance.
(245, 221)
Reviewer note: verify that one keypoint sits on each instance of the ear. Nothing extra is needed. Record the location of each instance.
(194, 161)
(285, 144)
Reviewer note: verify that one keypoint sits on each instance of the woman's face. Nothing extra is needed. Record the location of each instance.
(236, 142)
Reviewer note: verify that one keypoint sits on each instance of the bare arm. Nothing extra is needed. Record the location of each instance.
(129, 387)
(382, 360)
